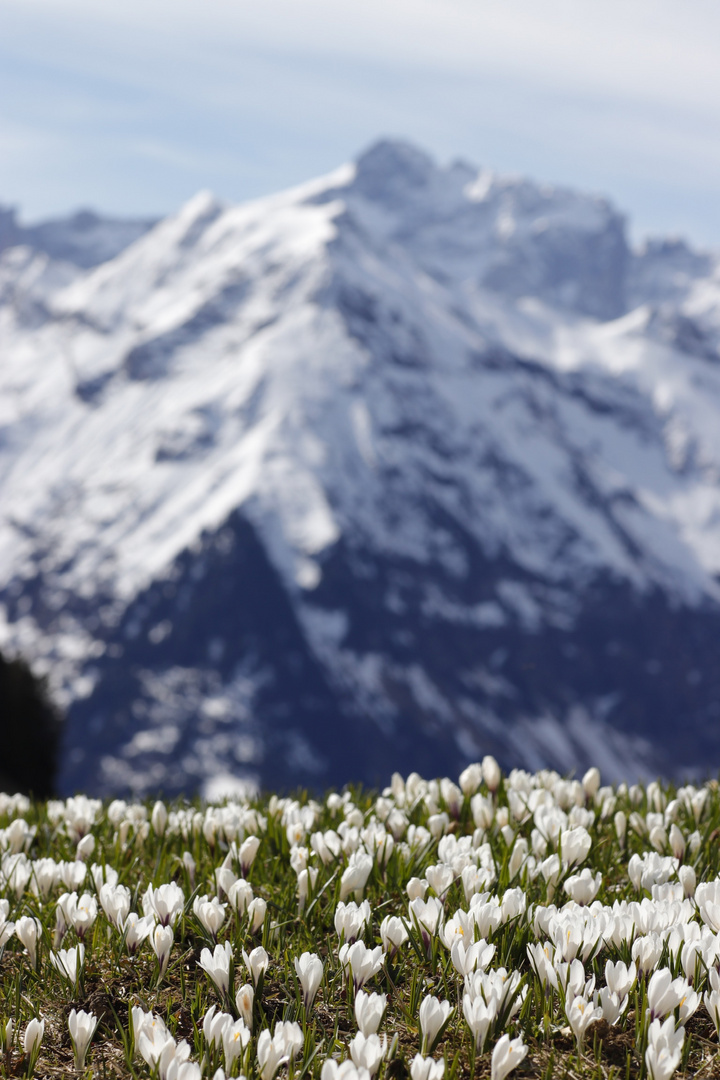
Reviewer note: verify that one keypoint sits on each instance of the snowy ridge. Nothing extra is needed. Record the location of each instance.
(429, 405)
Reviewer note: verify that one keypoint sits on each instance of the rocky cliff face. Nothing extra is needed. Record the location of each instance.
(396, 468)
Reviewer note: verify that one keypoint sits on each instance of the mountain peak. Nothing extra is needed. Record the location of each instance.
(391, 167)
(367, 456)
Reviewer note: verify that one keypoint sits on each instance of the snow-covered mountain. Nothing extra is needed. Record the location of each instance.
(390, 470)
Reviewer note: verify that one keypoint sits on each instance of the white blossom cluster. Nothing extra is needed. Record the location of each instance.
(488, 915)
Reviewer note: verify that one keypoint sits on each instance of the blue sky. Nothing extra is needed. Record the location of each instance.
(132, 107)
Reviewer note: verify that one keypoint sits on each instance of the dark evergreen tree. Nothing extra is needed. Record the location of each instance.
(29, 731)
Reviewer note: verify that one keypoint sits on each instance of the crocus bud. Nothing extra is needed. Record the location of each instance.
(244, 999)
(688, 879)
(677, 842)
(591, 782)
(6, 1034)
(256, 910)
(246, 854)
(416, 888)
(433, 1017)
(85, 847)
(33, 1036)
(189, 864)
(491, 772)
(471, 778)
(620, 821)
(309, 970)
(162, 939)
(159, 818)
(256, 963)
(508, 833)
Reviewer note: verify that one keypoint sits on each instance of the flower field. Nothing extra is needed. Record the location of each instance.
(524, 924)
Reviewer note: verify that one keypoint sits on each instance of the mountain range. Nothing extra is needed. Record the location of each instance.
(403, 466)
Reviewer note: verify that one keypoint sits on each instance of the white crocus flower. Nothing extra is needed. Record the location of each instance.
(368, 1051)
(82, 1027)
(426, 1068)
(235, 1037)
(440, 878)
(115, 902)
(571, 977)
(491, 772)
(103, 875)
(33, 1036)
(434, 1015)
(461, 927)
(646, 952)
(44, 877)
(612, 1005)
(29, 931)
(225, 878)
(580, 1015)
(309, 970)
(214, 1024)
(210, 913)
(620, 978)
(416, 888)
(165, 904)
(240, 896)
(72, 874)
(247, 852)
(82, 913)
(189, 864)
(85, 848)
(707, 898)
(426, 916)
(688, 879)
(393, 934)
(155, 1044)
(180, 1069)
(369, 1010)
(575, 845)
(583, 887)
(467, 959)
(244, 1000)
(69, 963)
(507, 1054)
(256, 911)
(274, 1051)
(7, 1030)
(162, 940)
(218, 965)
(257, 963)
(666, 994)
(345, 1070)
(159, 818)
(711, 999)
(354, 877)
(360, 963)
(479, 1017)
(351, 920)
(136, 930)
(664, 1050)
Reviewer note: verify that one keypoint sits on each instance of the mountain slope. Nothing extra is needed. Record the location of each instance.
(392, 469)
